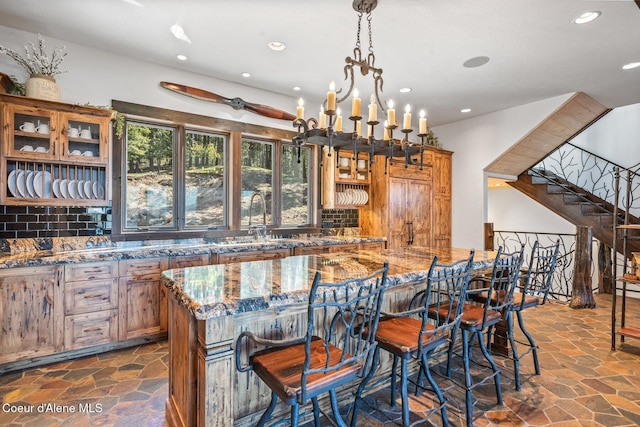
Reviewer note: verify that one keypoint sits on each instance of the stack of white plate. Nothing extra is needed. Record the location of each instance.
(352, 196)
(29, 184)
(77, 189)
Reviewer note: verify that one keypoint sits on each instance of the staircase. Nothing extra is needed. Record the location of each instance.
(575, 204)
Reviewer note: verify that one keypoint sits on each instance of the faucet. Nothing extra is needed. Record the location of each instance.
(259, 230)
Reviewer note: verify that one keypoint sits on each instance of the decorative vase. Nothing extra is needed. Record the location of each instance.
(41, 86)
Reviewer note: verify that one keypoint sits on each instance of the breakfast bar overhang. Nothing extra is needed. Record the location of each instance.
(209, 306)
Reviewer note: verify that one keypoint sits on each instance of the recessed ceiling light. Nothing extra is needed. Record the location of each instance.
(246, 75)
(297, 88)
(277, 46)
(587, 17)
(181, 57)
(478, 61)
(178, 32)
(631, 65)
(465, 110)
(405, 90)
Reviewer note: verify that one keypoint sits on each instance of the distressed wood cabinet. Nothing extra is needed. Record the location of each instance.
(142, 298)
(410, 206)
(31, 312)
(53, 153)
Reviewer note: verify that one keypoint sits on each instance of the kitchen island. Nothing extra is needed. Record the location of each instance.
(209, 306)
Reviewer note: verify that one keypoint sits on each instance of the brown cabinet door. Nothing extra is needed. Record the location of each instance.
(442, 172)
(31, 315)
(143, 308)
(398, 206)
(419, 212)
(442, 222)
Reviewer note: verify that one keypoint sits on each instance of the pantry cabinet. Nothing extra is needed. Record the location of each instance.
(411, 205)
(53, 153)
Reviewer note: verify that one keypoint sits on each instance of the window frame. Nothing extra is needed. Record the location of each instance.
(235, 132)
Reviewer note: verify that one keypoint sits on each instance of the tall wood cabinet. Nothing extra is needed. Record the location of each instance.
(410, 206)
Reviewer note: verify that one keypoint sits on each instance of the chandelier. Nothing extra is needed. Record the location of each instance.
(328, 131)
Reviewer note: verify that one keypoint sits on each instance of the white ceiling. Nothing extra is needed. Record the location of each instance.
(535, 50)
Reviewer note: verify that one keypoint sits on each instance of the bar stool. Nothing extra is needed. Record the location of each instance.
(412, 334)
(537, 284)
(338, 347)
(478, 319)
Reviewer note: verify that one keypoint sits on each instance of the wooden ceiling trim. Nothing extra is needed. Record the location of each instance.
(577, 113)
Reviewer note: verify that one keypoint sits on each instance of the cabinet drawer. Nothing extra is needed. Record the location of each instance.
(143, 268)
(345, 248)
(252, 256)
(90, 271)
(90, 329)
(189, 261)
(311, 250)
(90, 296)
(414, 172)
(372, 246)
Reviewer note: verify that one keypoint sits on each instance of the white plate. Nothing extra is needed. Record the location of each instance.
(42, 184)
(98, 191)
(29, 178)
(80, 190)
(56, 188)
(21, 183)
(87, 190)
(72, 188)
(64, 192)
(11, 180)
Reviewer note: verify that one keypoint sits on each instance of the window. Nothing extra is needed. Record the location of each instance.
(295, 185)
(204, 180)
(190, 176)
(149, 177)
(256, 182)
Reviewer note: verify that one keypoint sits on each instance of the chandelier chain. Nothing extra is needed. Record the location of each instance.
(358, 35)
(369, 18)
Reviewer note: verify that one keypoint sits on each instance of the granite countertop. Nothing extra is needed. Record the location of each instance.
(30, 252)
(229, 289)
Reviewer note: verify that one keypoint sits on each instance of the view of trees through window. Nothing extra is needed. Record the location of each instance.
(177, 179)
(204, 179)
(256, 177)
(295, 185)
(149, 176)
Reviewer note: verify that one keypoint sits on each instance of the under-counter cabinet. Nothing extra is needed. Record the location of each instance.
(31, 313)
(53, 152)
(90, 304)
(142, 298)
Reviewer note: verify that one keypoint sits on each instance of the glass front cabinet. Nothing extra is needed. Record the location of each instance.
(53, 153)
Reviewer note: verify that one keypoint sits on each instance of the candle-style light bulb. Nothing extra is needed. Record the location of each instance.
(331, 97)
(391, 114)
(407, 117)
(322, 118)
(373, 110)
(422, 124)
(355, 104)
(300, 109)
(385, 136)
(339, 121)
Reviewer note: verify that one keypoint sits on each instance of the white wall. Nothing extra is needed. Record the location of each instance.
(97, 77)
(476, 142)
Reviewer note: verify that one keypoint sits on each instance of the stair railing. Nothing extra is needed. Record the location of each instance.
(562, 283)
(594, 174)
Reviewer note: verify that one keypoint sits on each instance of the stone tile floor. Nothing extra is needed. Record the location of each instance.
(583, 383)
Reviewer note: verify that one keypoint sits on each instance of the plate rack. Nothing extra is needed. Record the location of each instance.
(31, 181)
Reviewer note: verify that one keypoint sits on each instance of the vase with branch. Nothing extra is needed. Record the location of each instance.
(42, 68)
